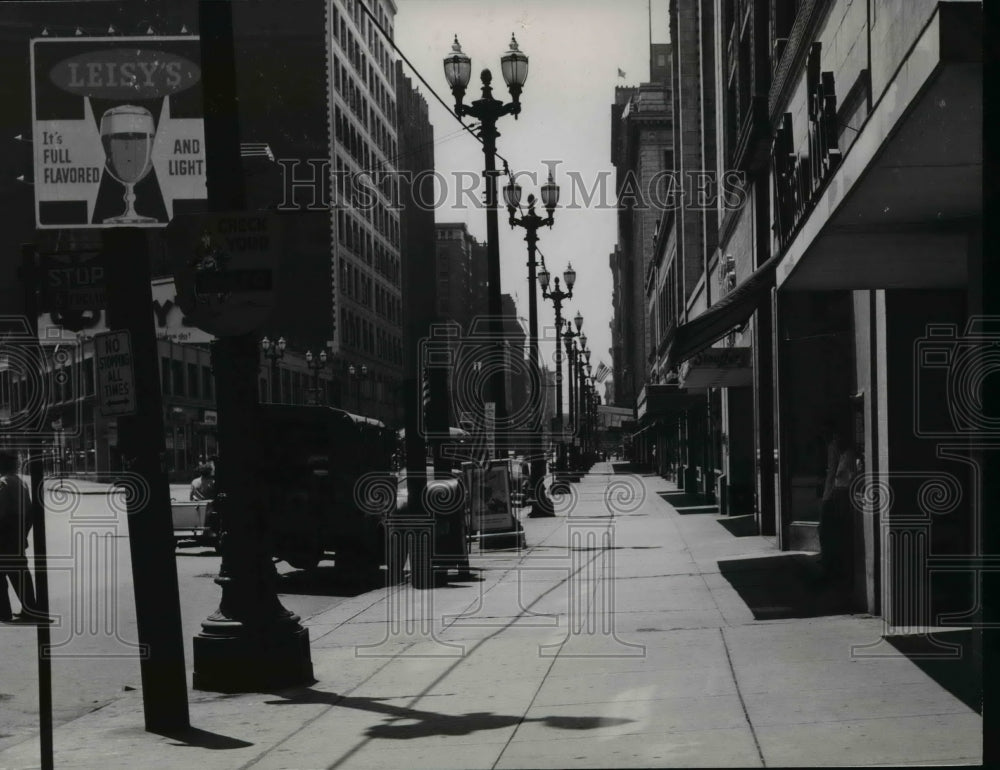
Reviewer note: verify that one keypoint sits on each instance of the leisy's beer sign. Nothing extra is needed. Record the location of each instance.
(118, 130)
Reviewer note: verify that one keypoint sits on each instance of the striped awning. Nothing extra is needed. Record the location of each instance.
(728, 313)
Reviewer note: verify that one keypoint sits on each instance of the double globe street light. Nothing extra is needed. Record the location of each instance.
(569, 340)
(316, 364)
(558, 296)
(487, 110)
(531, 222)
(274, 352)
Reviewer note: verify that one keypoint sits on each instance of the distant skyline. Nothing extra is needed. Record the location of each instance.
(575, 50)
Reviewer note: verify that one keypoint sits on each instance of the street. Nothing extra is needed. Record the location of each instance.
(94, 660)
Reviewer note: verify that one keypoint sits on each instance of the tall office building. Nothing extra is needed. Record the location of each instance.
(368, 322)
(641, 151)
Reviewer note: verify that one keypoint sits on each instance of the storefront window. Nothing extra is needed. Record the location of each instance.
(193, 384)
(88, 377)
(207, 383)
(178, 377)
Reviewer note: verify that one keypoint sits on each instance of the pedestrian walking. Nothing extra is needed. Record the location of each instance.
(836, 524)
(203, 487)
(15, 522)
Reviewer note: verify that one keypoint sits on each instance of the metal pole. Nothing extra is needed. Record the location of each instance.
(571, 395)
(29, 279)
(537, 464)
(489, 135)
(559, 379)
(151, 538)
(251, 642)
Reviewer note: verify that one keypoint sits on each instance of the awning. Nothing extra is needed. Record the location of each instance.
(731, 311)
(665, 400)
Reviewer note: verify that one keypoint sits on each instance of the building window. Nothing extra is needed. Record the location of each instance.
(177, 369)
(88, 376)
(165, 375)
(193, 383)
(784, 17)
(207, 383)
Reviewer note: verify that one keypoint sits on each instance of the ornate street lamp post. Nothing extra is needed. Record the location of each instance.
(487, 110)
(585, 396)
(558, 296)
(274, 352)
(580, 375)
(531, 222)
(358, 374)
(316, 365)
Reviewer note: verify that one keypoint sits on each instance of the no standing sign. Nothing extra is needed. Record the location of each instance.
(115, 373)
(118, 130)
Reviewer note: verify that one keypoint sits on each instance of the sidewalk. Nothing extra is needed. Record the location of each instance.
(542, 664)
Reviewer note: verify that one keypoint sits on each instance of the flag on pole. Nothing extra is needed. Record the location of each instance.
(621, 72)
(603, 370)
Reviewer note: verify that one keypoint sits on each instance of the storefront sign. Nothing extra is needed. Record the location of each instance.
(799, 177)
(495, 511)
(717, 368)
(169, 321)
(118, 130)
(115, 373)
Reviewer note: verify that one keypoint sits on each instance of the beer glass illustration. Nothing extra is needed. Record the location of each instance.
(127, 134)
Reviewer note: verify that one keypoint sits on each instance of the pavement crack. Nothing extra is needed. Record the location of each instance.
(739, 693)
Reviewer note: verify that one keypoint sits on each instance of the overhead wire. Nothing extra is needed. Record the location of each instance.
(375, 22)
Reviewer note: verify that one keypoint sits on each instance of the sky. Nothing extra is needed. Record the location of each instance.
(575, 50)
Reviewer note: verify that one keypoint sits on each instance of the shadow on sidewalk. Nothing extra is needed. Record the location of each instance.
(784, 586)
(687, 502)
(740, 526)
(202, 739)
(421, 724)
(330, 581)
(961, 676)
(631, 468)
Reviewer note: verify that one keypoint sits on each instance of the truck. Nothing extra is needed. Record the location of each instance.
(325, 478)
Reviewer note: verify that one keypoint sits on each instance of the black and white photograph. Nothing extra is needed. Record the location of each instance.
(467, 384)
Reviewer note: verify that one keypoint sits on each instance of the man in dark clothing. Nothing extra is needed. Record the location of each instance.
(15, 521)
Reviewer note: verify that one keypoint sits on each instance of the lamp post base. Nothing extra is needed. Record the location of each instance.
(542, 506)
(231, 657)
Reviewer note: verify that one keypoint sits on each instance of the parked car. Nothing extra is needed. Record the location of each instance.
(195, 520)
